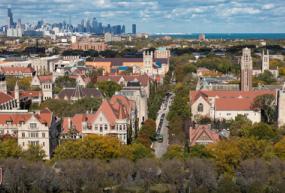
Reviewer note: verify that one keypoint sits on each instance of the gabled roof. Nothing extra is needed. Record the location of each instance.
(200, 130)
(47, 78)
(44, 116)
(230, 100)
(142, 79)
(9, 70)
(5, 98)
(79, 93)
(117, 108)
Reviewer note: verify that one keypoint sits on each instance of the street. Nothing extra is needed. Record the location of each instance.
(160, 148)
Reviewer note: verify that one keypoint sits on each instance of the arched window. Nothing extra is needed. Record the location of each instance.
(200, 107)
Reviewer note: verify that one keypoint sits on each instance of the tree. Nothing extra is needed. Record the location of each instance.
(265, 104)
(146, 133)
(65, 82)
(279, 148)
(265, 78)
(262, 131)
(201, 175)
(173, 172)
(226, 184)
(34, 153)
(240, 126)
(139, 151)
(199, 151)
(108, 88)
(24, 83)
(91, 147)
(148, 170)
(174, 152)
(9, 148)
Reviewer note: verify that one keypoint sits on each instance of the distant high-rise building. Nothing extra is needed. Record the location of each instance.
(246, 70)
(123, 29)
(134, 29)
(10, 18)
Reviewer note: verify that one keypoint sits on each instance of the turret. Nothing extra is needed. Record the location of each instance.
(17, 94)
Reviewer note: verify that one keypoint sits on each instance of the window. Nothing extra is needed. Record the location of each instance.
(34, 135)
(44, 144)
(23, 135)
(106, 127)
(120, 126)
(34, 142)
(96, 127)
(33, 125)
(200, 107)
(101, 128)
(23, 144)
(43, 135)
(229, 114)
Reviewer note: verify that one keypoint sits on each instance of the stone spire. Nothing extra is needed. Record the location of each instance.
(17, 94)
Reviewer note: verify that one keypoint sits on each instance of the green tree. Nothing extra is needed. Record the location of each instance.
(265, 78)
(139, 151)
(34, 153)
(108, 88)
(175, 152)
(9, 148)
(265, 104)
(199, 151)
(262, 131)
(240, 126)
(65, 81)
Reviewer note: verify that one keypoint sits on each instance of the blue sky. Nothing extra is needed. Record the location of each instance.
(179, 16)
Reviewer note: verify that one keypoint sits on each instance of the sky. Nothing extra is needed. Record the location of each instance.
(158, 16)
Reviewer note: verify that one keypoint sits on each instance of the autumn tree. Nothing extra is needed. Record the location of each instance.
(9, 148)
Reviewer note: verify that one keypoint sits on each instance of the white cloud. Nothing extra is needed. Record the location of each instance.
(268, 6)
(240, 10)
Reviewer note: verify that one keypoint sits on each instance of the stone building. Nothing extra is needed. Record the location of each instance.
(281, 106)
(246, 70)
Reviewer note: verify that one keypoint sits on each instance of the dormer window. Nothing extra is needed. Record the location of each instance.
(200, 107)
(33, 125)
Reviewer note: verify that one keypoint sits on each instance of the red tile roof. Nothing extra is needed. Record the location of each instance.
(10, 70)
(4, 98)
(230, 100)
(199, 131)
(28, 93)
(118, 107)
(47, 78)
(44, 116)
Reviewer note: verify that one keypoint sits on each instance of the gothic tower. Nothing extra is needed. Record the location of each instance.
(265, 61)
(281, 106)
(147, 62)
(246, 70)
(3, 84)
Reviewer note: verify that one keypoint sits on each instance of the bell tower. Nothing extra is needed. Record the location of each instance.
(246, 70)
(265, 60)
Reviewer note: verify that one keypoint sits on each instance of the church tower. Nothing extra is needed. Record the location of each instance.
(3, 84)
(265, 61)
(147, 62)
(281, 106)
(246, 70)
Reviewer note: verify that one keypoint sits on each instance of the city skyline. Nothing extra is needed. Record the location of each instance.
(221, 16)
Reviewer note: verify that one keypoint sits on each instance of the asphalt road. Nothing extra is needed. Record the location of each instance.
(162, 127)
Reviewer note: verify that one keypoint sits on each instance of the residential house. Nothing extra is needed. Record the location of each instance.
(225, 105)
(115, 117)
(202, 135)
(30, 128)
